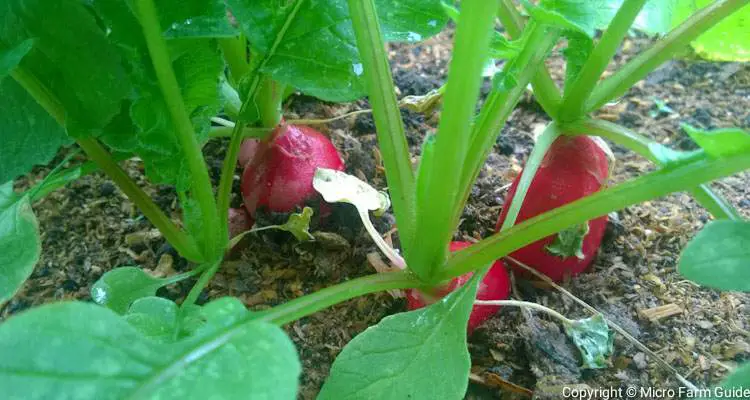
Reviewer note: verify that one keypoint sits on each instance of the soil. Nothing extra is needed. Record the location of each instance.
(89, 227)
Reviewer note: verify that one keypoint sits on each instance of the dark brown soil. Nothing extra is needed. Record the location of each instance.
(89, 227)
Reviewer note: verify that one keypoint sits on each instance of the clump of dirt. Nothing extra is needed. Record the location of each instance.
(89, 227)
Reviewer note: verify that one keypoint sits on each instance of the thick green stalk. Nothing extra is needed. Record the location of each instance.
(661, 51)
(387, 116)
(545, 89)
(434, 223)
(235, 54)
(656, 184)
(182, 242)
(57, 179)
(314, 302)
(707, 197)
(201, 183)
(575, 96)
(529, 171)
(500, 104)
(269, 102)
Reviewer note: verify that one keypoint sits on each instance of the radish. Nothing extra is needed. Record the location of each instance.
(574, 167)
(494, 286)
(278, 174)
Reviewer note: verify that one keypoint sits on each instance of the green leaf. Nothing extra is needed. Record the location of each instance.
(720, 142)
(585, 16)
(215, 315)
(315, 47)
(421, 354)
(30, 136)
(726, 41)
(71, 58)
(298, 225)
(10, 58)
(118, 288)
(143, 126)
(737, 380)
(718, 256)
(20, 245)
(195, 19)
(569, 242)
(83, 351)
(154, 317)
(594, 340)
(667, 157)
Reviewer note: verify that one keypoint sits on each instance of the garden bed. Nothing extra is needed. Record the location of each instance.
(89, 228)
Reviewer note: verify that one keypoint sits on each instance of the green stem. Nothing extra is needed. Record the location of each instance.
(387, 116)
(707, 197)
(314, 302)
(231, 99)
(57, 179)
(443, 175)
(205, 277)
(655, 184)
(269, 102)
(235, 54)
(661, 51)
(201, 185)
(545, 89)
(182, 242)
(550, 134)
(575, 96)
(501, 102)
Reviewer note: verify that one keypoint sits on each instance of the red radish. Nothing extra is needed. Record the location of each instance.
(278, 175)
(494, 286)
(574, 167)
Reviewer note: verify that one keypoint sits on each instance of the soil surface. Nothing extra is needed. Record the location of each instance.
(89, 228)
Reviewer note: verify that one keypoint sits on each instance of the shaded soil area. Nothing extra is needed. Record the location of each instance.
(89, 228)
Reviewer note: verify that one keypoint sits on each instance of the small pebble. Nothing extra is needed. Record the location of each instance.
(106, 189)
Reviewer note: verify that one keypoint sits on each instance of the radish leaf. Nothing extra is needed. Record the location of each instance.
(20, 244)
(30, 136)
(569, 242)
(739, 379)
(420, 354)
(118, 288)
(10, 58)
(594, 340)
(71, 58)
(718, 256)
(154, 317)
(116, 361)
(311, 45)
(720, 142)
(197, 64)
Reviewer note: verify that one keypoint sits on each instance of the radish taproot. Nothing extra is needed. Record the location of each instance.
(494, 286)
(572, 168)
(278, 174)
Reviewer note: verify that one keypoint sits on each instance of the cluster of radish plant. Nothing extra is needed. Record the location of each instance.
(155, 80)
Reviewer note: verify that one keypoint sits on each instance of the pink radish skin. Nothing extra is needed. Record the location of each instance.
(278, 175)
(494, 286)
(574, 167)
